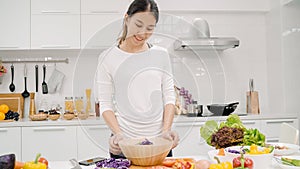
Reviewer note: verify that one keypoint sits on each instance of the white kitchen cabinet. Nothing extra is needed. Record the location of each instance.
(213, 5)
(15, 26)
(103, 6)
(54, 143)
(101, 30)
(55, 6)
(55, 31)
(271, 128)
(252, 124)
(191, 143)
(11, 141)
(93, 141)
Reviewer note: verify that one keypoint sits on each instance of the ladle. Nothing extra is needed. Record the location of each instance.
(12, 87)
(25, 93)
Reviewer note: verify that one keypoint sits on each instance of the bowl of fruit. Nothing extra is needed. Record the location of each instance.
(261, 156)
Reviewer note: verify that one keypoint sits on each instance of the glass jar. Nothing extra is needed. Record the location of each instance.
(69, 105)
(79, 104)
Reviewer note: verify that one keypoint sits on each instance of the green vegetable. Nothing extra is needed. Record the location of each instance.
(253, 136)
(234, 121)
(293, 162)
(208, 129)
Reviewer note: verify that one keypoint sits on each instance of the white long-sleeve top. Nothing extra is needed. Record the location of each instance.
(136, 86)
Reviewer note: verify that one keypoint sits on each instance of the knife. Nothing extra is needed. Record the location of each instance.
(36, 78)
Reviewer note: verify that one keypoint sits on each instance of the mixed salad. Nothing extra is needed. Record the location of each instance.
(231, 132)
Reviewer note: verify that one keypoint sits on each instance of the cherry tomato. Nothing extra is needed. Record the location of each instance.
(43, 160)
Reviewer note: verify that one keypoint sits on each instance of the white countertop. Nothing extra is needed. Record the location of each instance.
(68, 165)
(100, 121)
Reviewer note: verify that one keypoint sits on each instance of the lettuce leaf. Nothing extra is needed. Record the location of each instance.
(207, 130)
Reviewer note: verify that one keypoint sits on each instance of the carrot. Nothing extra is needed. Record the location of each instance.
(221, 152)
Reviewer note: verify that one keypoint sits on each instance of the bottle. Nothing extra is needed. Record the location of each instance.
(88, 101)
(32, 110)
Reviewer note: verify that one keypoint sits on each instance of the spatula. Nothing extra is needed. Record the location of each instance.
(25, 93)
(44, 84)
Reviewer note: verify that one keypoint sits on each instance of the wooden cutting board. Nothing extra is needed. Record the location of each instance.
(15, 102)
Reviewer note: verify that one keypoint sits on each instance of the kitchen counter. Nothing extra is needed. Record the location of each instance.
(100, 121)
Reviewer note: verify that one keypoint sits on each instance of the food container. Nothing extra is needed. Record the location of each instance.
(69, 105)
(259, 160)
(145, 155)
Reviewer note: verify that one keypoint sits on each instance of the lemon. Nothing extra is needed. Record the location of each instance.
(4, 108)
(2, 116)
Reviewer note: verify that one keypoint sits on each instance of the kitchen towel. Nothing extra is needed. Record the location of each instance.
(55, 81)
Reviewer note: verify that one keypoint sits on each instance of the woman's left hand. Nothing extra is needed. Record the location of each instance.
(172, 136)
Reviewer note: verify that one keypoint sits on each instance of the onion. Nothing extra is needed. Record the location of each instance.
(202, 164)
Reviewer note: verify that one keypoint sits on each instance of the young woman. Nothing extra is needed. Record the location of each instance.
(135, 83)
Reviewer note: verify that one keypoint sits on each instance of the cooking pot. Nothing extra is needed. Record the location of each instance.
(222, 109)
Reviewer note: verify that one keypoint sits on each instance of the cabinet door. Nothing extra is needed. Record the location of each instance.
(54, 143)
(15, 26)
(93, 141)
(271, 128)
(55, 6)
(101, 30)
(103, 6)
(55, 31)
(191, 143)
(11, 141)
(254, 124)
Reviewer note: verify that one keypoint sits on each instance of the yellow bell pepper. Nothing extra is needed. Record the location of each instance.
(216, 166)
(35, 164)
(223, 165)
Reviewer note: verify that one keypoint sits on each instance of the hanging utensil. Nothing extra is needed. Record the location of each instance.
(25, 93)
(44, 84)
(12, 87)
(36, 78)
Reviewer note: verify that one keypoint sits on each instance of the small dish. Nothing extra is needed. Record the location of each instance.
(69, 116)
(38, 117)
(286, 166)
(53, 116)
(284, 148)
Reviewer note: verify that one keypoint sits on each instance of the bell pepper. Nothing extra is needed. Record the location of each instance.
(242, 163)
(223, 165)
(35, 164)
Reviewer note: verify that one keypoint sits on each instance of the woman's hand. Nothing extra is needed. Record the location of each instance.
(114, 143)
(172, 136)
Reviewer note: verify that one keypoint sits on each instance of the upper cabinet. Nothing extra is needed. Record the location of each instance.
(103, 6)
(15, 24)
(213, 5)
(55, 24)
(55, 6)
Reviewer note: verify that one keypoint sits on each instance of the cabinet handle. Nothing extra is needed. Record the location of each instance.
(3, 130)
(98, 127)
(104, 12)
(56, 46)
(50, 129)
(188, 125)
(249, 122)
(272, 139)
(280, 121)
(11, 47)
(55, 12)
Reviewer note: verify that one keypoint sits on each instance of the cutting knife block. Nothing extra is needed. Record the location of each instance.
(253, 103)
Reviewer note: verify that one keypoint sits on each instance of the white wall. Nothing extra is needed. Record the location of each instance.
(221, 76)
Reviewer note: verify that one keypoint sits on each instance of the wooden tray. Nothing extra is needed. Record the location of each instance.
(15, 101)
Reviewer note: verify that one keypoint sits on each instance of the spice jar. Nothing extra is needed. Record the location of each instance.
(69, 105)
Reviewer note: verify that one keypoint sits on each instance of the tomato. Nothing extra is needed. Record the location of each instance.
(169, 162)
(43, 160)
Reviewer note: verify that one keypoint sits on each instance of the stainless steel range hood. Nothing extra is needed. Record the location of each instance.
(199, 39)
(213, 43)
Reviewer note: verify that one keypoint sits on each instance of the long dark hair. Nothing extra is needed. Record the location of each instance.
(139, 6)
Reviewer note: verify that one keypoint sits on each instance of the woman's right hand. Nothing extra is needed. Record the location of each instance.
(114, 143)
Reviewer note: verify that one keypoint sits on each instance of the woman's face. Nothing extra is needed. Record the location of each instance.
(140, 27)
